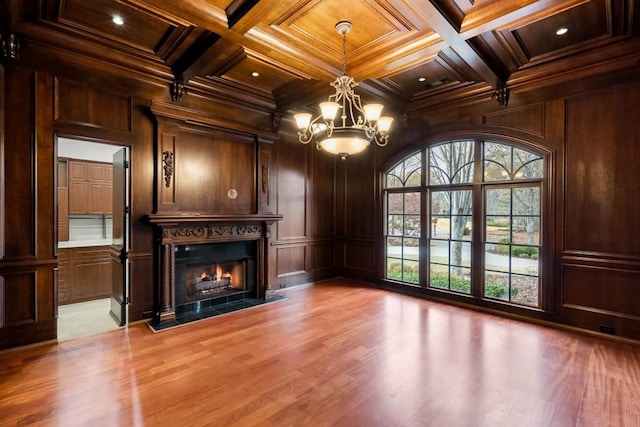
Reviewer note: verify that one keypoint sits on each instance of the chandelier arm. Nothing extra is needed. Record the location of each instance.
(305, 137)
(381, 140)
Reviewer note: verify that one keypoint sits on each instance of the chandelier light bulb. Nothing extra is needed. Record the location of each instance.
(302, 120)
(329, 110)
(384, 124)
(372, 111)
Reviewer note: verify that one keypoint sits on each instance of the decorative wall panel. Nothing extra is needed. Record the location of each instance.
(19, 298)
(601, 290)
(291, 260)
(528, 119)
(323, 256)
(78, 104)
(602, 173)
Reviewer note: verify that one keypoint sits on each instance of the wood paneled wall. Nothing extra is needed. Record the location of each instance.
(217, 146)
(27, 254)
(332, 209)
(591, 273)
(306, 240)
(600, 279)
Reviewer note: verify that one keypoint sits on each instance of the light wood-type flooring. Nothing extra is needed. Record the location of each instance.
(336, 353)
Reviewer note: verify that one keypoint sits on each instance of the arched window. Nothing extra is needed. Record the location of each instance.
(488, 186)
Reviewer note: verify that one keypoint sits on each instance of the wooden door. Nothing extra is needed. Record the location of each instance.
(120, 243)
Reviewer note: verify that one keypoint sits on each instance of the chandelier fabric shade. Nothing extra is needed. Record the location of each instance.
(344, 126)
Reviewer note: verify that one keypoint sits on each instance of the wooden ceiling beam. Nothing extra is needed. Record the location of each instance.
(457, 42)
(512, 14)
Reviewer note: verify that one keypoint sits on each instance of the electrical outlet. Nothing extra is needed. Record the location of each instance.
(606, 329)
(283, 285)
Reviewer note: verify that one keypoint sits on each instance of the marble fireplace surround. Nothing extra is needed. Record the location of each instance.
(194, 228)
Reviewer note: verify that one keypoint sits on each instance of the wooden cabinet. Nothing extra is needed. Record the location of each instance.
(90, 188)
(77, 198)
(84, 274)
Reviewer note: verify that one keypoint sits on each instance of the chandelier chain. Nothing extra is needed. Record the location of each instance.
(344, 54)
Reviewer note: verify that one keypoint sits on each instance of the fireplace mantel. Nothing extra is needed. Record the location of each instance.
(171, 219)
(189, 228)
(205, 227)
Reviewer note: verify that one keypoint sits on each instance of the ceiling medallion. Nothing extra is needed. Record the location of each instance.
(356, 126)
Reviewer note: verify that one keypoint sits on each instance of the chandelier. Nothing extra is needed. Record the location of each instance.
(356, 126)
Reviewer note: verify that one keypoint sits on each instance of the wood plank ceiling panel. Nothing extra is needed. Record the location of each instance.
(399, 50)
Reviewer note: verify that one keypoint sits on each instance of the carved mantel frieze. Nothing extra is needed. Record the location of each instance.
(212, 232)
(179, 228)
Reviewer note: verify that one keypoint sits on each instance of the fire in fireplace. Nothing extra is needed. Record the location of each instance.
(219, 279)
(214, 271)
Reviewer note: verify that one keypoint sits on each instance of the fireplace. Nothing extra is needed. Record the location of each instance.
(206, 259)
(214, 273)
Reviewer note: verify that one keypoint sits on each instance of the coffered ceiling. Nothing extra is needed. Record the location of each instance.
(402, 51)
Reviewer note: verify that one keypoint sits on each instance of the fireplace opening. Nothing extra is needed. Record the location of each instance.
(214, 273)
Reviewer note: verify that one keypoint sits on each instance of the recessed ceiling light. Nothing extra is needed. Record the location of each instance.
(422, 79)
(562, 31)
(255, 74)
(117, 19)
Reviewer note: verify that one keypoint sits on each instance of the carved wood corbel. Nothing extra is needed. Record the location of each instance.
(167, 165)
(177, 90)
(501, 95)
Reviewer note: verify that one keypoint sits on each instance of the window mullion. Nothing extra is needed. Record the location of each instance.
(477, 218)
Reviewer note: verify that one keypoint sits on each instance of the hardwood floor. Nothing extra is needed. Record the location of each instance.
(335, 353)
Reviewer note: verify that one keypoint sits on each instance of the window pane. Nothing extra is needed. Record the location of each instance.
(467, 233)
(461, 202)
(498, 201)
(497, 161)
(526, 201)
(410, 248)
(410, 271)
(394, 225)
(394, 247)
(438, 276)
(406, 173)
(394, 203)
(526, 229)
(439, 251)
(497, 229)
(460, 280)
(451, 163)
(506, 163)
(440, 227)
(496, 285)
(461, 254)
(440, 203)
(412, 225)
(524, 260)
(394, 269)
(496, 257)
(393, 181)
(524, 290)
(414, 178)
(412, 203)
(526, 165)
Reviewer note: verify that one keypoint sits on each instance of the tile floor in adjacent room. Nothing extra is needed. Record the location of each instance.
(84, 319)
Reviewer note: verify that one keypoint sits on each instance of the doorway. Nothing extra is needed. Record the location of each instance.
(87, 277)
